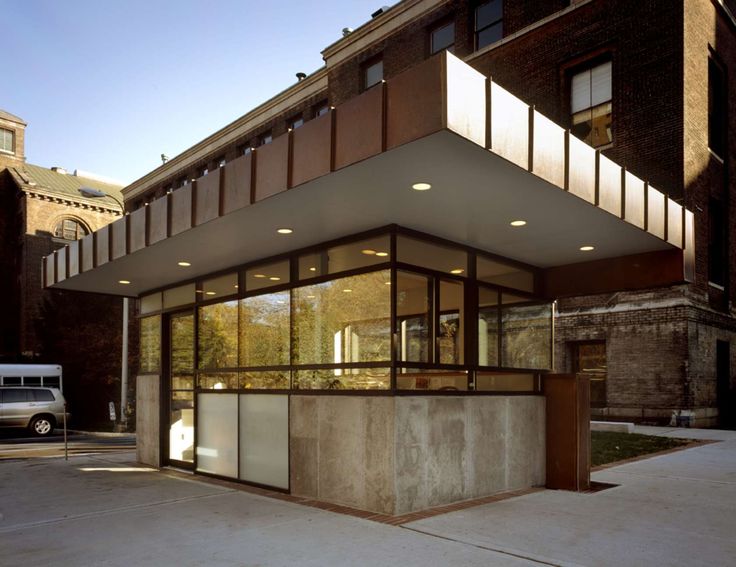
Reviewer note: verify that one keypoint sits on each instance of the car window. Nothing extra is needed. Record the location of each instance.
(42, 395)
(15, 395)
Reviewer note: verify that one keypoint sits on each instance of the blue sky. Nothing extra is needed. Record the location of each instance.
(108, 85)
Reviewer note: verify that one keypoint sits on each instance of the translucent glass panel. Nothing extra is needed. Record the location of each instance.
(495, 272)
(218, 335)
(151, 303)
(342, 321)
(440, 380)
(487, 327)
(343, 379)
(150, 344)
(181, 427)
(217, 438)
(351, 256)
(178, 296)
(264, 439)
(450, 335)
(494, 382)
(527, 333)
(267, 275)
(264, 330)
(219, 287)
(433, 256)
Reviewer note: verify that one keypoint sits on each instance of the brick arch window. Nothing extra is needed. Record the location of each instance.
(70, 229)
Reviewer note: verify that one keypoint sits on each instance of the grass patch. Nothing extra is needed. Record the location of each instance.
(609, 447)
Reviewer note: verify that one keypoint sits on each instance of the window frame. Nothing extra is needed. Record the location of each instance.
(438, 26)
(476, 31)
(717, 117)
(581, 65)
(80, 229)
(366, 66)
(3, 133)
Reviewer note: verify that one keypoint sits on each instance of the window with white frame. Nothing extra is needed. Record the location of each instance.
(591, 104)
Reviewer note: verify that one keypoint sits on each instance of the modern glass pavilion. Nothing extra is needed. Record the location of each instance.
(362, 311)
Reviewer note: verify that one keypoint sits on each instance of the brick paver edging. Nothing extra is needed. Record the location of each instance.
(348, 511)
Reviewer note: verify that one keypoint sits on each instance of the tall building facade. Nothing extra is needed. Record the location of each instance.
(363, 290)
(648, 85)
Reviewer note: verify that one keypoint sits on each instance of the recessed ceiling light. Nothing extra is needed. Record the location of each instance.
(587, 248)
(210, 293)
(347, 290)
(274, 278)
(284, 231)
(259, 275)
(457, 271)
(382, 254)
(310, 297)
(236, 286)
(184, 264)
(312, 269)
(421, 186)
(124, 282)
(518, 223)
(387, 283)
(368, 252)
(199, 290)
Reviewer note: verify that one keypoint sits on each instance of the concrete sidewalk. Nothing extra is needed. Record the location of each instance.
(675, 509)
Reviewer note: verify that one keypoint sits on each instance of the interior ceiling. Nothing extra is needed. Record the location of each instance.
(475, 194)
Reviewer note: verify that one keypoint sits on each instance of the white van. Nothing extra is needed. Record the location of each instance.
(44, 375)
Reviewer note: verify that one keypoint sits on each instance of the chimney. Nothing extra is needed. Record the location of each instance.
(59, 170)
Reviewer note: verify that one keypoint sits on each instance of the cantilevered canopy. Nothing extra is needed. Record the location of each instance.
(354, 169)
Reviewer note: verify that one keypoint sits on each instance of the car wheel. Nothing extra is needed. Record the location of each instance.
(42, 426)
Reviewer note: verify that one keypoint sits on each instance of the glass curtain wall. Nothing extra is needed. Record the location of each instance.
(396, 310)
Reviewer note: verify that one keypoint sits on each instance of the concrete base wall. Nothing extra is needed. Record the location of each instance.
(147, 420)
(396, 455)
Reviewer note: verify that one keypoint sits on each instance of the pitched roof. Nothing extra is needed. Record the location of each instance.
(12, 117)
(31, 177)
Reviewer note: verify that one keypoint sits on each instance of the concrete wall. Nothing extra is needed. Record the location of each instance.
(395, 455)
(450, 449)
(147, 420)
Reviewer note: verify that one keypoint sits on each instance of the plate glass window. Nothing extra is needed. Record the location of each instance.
(443, 37)
(296, 122)
(591, 106)
(6, 140)
(373, 73)
(488, 23)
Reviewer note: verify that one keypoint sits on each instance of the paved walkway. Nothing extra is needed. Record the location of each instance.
(675, 509)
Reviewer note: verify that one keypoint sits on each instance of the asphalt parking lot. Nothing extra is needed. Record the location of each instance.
(105, 509)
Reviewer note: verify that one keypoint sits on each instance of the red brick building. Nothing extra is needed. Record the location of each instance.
(654, 79)
(42, 210)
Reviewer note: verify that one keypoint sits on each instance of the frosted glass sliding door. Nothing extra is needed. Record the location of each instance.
(264, 439)
(217, 436)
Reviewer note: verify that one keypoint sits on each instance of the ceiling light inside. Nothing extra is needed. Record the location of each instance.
(518, 223)
(124, 282)
(284, 231)
(421, 186)
(587, 248)
(184, 264)
(457, 271)
(368, 252)
(382, 254)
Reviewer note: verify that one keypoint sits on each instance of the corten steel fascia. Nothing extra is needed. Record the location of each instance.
(442, 93)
